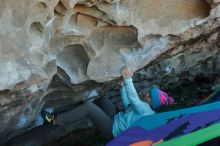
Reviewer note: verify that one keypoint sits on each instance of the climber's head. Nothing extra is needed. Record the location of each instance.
(156, 98)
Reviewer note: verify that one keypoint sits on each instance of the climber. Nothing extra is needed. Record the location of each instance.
(103, 113)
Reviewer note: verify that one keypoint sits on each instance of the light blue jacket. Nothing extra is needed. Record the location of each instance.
(134, 108)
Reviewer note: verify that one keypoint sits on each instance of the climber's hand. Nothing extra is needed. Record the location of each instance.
(126, 73)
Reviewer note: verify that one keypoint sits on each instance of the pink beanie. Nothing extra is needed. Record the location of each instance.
(159, 98)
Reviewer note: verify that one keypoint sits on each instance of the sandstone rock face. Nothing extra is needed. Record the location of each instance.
(97, 29)
(54, 50)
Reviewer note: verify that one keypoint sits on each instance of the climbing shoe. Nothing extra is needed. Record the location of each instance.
(48, 117)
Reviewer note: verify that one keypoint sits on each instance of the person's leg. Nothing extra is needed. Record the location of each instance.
(107, 106)
(98, 117)
(100, 120)
(72, 115)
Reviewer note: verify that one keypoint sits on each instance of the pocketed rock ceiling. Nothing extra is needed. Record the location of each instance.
(90, 40)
